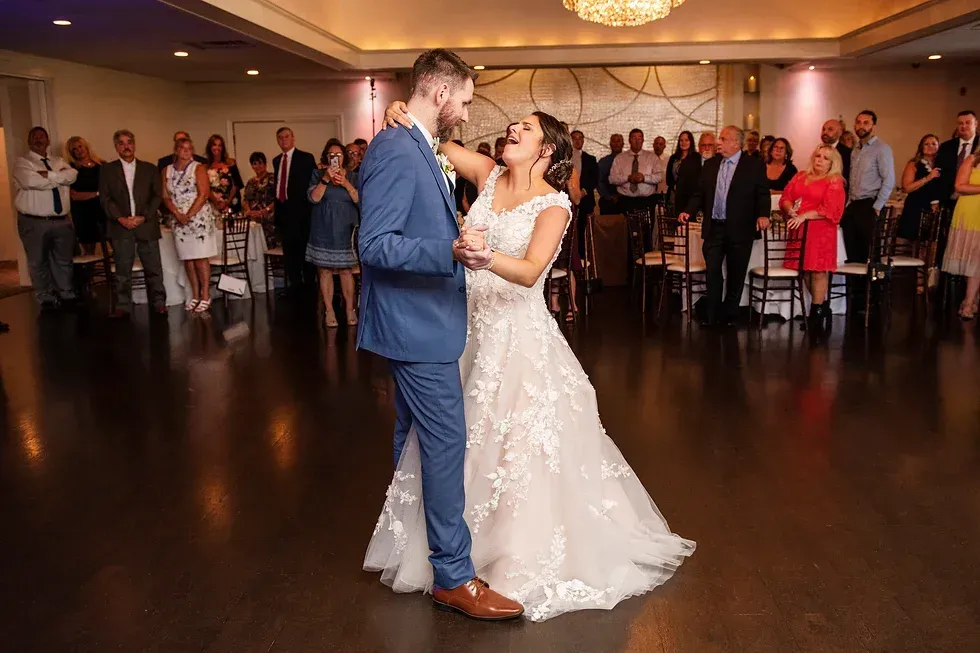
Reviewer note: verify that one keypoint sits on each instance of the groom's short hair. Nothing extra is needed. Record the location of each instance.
(439, 66)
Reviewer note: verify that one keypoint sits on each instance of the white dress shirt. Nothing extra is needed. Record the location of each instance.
(650, 166)
(285, 164)
(129, 172)
(34, 196)
(433, 144)
(577, 160)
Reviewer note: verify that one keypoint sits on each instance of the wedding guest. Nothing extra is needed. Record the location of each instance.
(636, 173)
(689, 174)
(186, 191)
(498, 150)
(41, 184)
(950, 158)
(170, 158)
(734, 194)
(362, 144)
(820, 191)
(870, 186)
(333, 193)
(831, 134)
(130, 192)
(921, 180)
(848, 139)
(660, 149)
(259, 198)
(292, 170)
(779, 165)
(764, 146)
(685, 146)
(484, 149)
(752, 144)
(608, 197)
(86, 210)
(353, 157)
(963, 252)
(587, 169)
(224, 177)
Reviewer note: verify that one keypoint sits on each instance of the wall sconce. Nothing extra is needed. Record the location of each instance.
(752, 84)
(750, 121)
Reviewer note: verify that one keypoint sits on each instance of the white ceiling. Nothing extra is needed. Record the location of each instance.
(959, 44)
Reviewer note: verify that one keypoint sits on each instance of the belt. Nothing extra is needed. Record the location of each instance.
(45, 217)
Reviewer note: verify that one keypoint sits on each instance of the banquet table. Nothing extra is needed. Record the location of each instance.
(758, 259)
(175, 278)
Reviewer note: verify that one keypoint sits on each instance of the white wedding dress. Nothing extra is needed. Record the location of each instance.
(559, 521)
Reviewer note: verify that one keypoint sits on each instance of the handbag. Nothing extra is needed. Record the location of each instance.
(232, 285)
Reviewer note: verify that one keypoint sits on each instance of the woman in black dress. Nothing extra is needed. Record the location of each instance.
(86, 210)
(919, 181)
(779, 165)
(685, 146)
(226, 179)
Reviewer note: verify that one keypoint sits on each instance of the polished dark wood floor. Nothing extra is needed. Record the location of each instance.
(185, 486)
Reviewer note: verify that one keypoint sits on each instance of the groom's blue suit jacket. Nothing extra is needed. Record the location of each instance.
(413, 293)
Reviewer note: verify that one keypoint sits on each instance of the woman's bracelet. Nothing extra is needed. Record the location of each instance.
(493, 259)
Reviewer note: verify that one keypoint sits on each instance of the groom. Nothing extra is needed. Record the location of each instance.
(413, 312)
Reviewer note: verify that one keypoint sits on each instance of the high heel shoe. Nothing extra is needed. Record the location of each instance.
(351, 318)
(330, 320)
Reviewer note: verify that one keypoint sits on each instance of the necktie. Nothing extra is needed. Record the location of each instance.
(721, 202)
(283, 176)
(635, 169)
(55, 193)
(962, 155)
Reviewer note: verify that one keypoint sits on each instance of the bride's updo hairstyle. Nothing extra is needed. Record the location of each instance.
(555, 133)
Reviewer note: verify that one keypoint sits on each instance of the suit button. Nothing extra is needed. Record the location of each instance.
(462, 289)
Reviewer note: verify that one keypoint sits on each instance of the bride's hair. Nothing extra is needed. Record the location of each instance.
(555, 133)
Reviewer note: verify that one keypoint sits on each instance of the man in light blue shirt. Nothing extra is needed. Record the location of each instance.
(869, 187)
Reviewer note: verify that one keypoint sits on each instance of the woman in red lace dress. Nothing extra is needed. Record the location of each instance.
(816, 196)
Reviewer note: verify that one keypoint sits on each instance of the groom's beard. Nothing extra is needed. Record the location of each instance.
(446, 122)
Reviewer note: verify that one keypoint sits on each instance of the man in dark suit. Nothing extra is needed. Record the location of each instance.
(130, 194)
(689, 174)
(292, 206)
(951, 155)
(170, 158)
(830, 135)
(733, 192)
(588, 170)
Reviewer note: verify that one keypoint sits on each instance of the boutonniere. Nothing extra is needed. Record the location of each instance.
(446, 166)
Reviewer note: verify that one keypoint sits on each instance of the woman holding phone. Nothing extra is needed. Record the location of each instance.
(333, 193)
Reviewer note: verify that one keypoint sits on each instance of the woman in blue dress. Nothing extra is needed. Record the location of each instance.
(333, 192)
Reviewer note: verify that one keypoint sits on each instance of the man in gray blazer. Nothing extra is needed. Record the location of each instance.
(130, 192)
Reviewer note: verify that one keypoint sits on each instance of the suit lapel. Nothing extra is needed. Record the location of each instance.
(437, 172)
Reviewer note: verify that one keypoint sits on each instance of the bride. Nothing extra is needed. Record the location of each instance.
(559, 520)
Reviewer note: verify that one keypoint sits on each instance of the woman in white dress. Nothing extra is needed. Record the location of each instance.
(558, 519)
(186, 190)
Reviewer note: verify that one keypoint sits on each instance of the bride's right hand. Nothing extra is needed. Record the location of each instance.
(397, 114)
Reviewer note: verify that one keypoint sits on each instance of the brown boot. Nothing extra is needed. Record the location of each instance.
(476, 600)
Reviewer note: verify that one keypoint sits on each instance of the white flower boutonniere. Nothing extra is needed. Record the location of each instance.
(446, 166)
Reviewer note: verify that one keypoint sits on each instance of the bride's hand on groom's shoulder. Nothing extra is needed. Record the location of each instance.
(397, 114)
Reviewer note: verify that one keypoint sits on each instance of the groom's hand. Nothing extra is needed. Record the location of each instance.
(397, 114)
(478, 260)
(471, 238)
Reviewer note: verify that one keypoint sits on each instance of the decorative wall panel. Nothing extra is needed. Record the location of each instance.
(660, 100)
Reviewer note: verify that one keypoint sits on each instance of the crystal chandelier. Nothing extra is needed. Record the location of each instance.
(621, 13)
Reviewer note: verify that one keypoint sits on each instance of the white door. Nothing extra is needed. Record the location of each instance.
(260, 136)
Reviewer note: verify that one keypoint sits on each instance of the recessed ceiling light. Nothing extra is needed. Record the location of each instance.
(252, 72)
(181, 53)
(479, 67)
(704, 62)
(934, 57)
(813, 67)
(61, 22)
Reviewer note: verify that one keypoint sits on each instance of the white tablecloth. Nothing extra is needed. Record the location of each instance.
(758, 259)
(175, 278)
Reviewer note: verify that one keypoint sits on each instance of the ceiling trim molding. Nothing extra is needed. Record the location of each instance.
(923, 20)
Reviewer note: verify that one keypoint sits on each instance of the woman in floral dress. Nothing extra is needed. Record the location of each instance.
(186, 190)
(259, 198)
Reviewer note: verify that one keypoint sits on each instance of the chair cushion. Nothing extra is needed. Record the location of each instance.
(275, 251)
(679, 267)
(233, 259)
(137, 266)
(558, 273)
(87, 259)
(651, 258)
(907, 262)
(776, 272)
(852, 268)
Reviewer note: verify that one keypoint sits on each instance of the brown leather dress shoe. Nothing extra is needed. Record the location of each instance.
(476, 600)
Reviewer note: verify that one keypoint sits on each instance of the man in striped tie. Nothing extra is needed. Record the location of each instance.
(41, 183)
